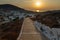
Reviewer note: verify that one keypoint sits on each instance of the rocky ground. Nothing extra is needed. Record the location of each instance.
(11, 30)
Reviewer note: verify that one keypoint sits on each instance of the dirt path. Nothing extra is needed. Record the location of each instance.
(29, 31)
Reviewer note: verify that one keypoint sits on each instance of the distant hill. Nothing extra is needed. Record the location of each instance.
(13, 7)
(9, 7)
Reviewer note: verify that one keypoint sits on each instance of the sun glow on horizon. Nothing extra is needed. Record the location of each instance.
(37, 10)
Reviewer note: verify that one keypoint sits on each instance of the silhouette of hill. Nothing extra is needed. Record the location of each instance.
(13, 7)
(10, 7)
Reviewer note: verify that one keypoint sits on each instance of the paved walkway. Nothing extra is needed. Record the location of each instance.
(29, 31)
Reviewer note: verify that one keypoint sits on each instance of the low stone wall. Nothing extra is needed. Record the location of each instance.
(46, 32)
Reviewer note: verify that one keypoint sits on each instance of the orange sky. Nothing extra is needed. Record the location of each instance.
(30, 4)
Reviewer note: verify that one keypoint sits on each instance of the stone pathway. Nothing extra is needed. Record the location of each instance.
(28, 31)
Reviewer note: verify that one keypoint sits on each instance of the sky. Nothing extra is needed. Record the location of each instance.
(30, 4)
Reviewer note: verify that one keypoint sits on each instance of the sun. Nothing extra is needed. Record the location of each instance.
(38, 3)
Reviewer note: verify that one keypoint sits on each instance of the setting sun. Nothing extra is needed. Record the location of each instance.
(38, 4)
